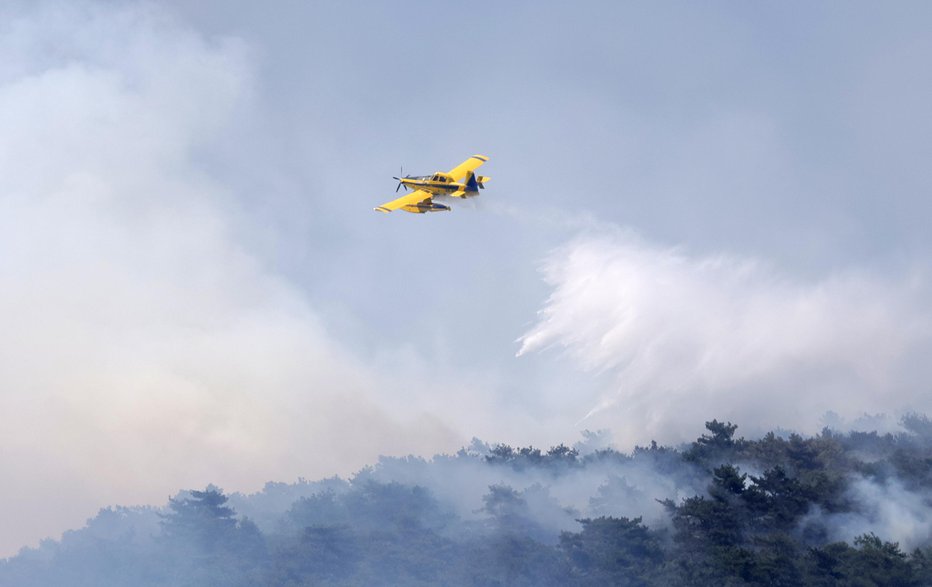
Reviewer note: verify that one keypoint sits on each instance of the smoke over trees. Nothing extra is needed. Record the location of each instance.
(835, 508)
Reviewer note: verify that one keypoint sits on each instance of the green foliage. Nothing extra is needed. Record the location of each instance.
(201, 517)
(717, 446)
(204, 544)
(760, 513)
(556, 459)
(870, 562)
(612, 551)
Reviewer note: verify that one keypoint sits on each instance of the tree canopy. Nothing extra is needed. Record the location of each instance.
(783, 509)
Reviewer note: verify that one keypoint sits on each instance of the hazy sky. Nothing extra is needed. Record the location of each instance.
(696, 212)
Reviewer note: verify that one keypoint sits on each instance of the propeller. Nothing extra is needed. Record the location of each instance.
(403, 176)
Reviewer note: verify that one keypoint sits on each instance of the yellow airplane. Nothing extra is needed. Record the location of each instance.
(440, 184)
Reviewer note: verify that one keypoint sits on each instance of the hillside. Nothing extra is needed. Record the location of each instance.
(837, 508)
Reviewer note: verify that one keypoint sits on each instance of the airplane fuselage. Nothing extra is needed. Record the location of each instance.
(438, 187)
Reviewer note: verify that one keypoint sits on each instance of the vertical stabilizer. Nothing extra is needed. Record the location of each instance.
(471, 184)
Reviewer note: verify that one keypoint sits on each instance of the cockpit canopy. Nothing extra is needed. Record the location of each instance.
(441, 177)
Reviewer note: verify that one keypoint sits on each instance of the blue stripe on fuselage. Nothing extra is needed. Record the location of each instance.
(436, 185)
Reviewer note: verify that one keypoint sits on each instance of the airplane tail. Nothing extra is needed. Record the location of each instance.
(472, 185)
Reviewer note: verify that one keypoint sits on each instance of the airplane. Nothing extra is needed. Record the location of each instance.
(440, 184)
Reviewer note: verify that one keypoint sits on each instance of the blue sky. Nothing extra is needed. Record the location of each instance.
(696, 212)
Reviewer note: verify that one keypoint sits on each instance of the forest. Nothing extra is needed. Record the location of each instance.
(836, 508)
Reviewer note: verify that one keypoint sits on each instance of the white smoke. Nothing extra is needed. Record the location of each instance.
(142, 347)
(885, 508)
(686, 338)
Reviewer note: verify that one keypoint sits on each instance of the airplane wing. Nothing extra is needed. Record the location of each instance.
(471, 164)
(412, 202)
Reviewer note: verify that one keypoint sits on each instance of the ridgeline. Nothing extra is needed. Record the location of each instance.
(832, 509)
